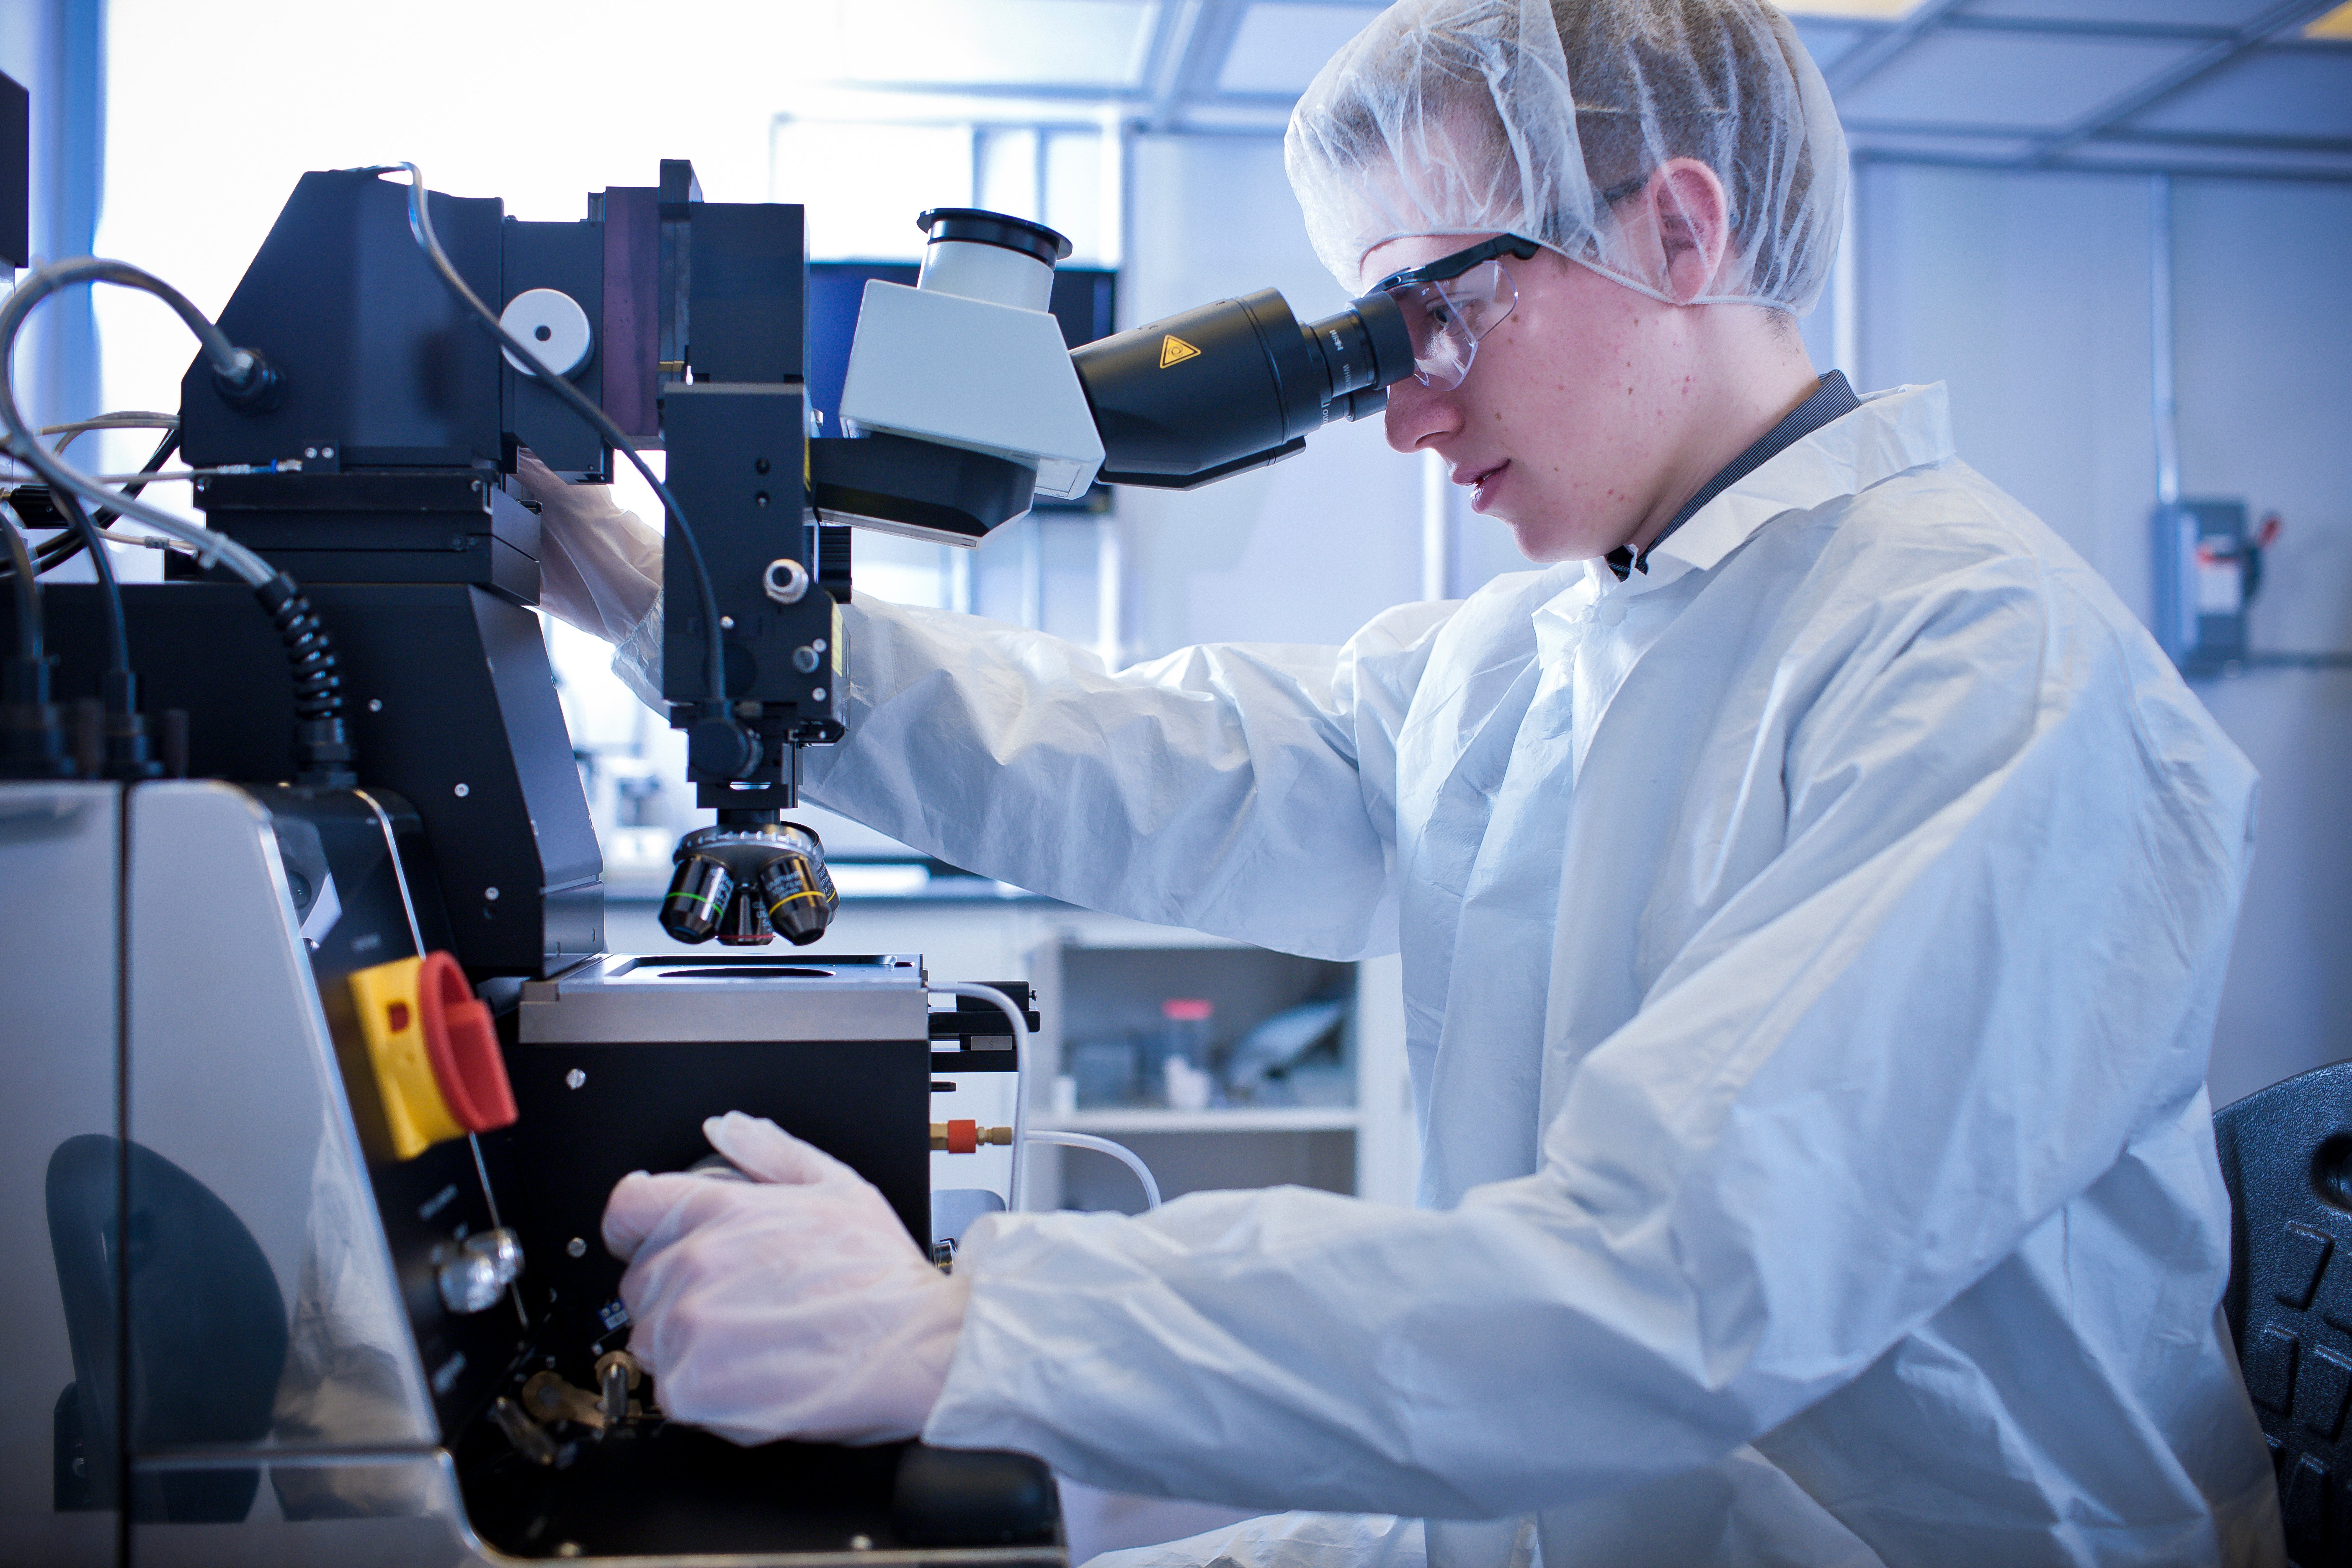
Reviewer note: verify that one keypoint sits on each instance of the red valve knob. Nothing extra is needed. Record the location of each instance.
(462, 1044)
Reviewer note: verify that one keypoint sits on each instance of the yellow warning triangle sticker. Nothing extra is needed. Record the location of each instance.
(1174, 349)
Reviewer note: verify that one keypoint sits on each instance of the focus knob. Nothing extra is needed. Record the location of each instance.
(719, 748)
(485, 1264)
(551, 324)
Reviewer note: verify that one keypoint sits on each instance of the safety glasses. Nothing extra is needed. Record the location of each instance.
(1454, 301)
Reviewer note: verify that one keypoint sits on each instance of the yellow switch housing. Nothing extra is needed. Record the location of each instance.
(392, 1021)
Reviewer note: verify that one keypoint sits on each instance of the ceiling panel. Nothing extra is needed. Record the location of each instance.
(1826, 41)
(994, 43)
(1984, 89)
(2186, 158)
(2225, 13)
(2305, 90)
(1961, 149)
(2010, 80)
(1281, 44)
(1234, 116)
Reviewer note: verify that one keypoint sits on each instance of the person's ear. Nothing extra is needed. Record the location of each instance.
(1694, 226)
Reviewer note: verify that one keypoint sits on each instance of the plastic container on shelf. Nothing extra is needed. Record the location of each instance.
(1183, 1055)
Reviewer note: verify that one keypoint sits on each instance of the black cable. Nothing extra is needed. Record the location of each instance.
(69, 544)
(32, 744)
(30, 631)
(420, 224)
(241, 376)
(155, 460)
(323, 750)
(109, 592)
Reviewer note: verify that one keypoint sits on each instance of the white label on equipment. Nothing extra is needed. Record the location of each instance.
(1058, 478)
(2220, 590)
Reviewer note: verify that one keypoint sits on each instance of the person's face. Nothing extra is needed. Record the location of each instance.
(1562, 427)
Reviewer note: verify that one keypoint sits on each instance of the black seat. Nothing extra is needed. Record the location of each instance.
(207, 1331)
(2286, 1154)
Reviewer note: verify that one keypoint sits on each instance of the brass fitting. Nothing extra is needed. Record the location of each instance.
(966, 1137)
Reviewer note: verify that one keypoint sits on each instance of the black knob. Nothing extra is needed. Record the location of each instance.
(718, 747)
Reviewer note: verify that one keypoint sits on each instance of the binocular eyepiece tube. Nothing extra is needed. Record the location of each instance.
(1235, 385)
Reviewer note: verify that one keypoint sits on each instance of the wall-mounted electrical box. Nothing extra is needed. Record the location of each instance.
(2207, 566)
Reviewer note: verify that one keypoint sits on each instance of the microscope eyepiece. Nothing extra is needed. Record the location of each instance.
(1235, 385)
(1366, 350)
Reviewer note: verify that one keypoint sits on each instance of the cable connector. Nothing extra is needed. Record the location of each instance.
(254, 387)
(31, 728)
(129, 754)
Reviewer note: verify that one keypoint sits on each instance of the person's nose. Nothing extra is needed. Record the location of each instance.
(1420, 416)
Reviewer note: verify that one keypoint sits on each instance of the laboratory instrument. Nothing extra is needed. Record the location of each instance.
(326, 1078)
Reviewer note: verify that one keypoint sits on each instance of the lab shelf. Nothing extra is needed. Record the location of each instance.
(1100, 976)
(1231, 1119)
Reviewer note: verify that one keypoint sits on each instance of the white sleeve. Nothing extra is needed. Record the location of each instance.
(1245, 791)
(1981, 968)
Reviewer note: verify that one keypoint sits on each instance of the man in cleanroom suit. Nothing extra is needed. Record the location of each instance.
(1814, 889)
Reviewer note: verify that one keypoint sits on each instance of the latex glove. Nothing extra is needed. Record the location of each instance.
(794, 1305)
(599, 565)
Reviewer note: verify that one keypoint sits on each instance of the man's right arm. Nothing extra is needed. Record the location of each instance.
(1247, 790)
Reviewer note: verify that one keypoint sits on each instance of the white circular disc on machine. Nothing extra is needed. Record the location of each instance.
(555, 327)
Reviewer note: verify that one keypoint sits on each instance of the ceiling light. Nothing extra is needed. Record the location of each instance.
(2337, 24)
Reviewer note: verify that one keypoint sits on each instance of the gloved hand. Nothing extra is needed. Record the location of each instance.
(793, 1305)
(599, 565)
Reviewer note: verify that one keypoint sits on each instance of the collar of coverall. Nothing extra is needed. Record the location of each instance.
(1842, 452)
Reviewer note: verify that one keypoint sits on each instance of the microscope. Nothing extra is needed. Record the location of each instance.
(323, 1070)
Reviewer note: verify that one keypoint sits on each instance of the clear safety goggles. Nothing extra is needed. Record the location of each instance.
(1454, 301)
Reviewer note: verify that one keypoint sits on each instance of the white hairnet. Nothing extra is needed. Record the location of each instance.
(1541, 118)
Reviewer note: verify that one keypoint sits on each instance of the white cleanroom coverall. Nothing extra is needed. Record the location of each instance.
(1810, 952)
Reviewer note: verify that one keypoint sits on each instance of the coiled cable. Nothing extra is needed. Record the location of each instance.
(321, 742)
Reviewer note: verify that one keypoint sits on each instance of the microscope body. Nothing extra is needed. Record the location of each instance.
(329, 1285)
